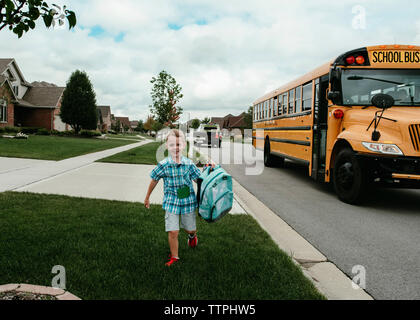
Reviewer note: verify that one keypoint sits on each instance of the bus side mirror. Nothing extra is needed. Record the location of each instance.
(334, 96)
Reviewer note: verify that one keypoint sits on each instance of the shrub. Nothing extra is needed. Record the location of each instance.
(2, 130)
(29, 130)
(55, 132)
(90, 133)
(11, 129)
(43, 132)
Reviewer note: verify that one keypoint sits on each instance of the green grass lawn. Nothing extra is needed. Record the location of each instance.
(55, 148)
(117, 250)
(142, 155)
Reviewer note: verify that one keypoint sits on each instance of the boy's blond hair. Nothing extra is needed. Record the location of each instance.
(177, 134)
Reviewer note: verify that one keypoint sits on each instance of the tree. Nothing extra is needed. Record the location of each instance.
(149, 123)
(166, 93)
(206, 120)
(139, 127)
(20, 15)
(195, 123)
(248, 118)
(116, 126)
(78, 106)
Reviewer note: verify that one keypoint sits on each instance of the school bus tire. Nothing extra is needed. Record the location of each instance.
(268, 157)
(349, 178)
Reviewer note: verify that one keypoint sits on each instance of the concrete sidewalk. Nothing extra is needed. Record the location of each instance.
(26, 172)
(110, 181)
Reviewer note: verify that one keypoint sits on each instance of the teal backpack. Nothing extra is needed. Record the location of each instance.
(214, 194)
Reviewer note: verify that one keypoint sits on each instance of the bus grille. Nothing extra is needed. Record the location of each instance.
(415, 136)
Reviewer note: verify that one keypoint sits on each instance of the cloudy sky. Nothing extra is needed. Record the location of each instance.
(224, 54)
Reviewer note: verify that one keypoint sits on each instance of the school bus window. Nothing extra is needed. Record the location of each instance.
(285, 103)
(307, 97)
(265, 109)
(279, 106)
(291, 100)
(298, 98)
(270, 108)
(274, 106)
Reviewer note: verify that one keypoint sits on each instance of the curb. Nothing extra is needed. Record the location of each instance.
(327, 278)
(59, 294)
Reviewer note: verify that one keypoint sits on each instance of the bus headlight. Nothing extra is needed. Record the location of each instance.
(383, 148)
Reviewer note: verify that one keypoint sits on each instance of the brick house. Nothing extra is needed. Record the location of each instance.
(125, 124)
(104, 119)
(27, 104)
(229, 123)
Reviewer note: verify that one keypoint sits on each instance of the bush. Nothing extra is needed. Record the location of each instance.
(11, 129)
(55, 132)
(2, 130)
(29, 130)
(43, 132)
(90, 133)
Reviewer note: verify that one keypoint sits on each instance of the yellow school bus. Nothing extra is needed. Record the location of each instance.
(354, 121)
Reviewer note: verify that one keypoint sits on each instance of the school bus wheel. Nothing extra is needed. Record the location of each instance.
(349, 178)
(268, 157)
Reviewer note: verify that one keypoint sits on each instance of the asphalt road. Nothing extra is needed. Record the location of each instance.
(383, 235)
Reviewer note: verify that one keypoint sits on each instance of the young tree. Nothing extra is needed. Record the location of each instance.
(20, 15)
(78, 106)
(206, 120)
(195, 123)
(166, 93)
(148, 125)
(140, 127)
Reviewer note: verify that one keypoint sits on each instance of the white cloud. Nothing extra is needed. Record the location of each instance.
(225, 54)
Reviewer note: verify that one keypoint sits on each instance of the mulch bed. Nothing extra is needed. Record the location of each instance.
(13, 295)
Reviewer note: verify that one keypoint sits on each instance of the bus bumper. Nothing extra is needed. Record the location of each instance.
(401, 172)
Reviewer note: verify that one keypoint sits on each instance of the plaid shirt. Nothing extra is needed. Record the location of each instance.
(176, 176)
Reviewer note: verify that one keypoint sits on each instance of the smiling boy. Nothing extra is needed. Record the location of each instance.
(179, 199)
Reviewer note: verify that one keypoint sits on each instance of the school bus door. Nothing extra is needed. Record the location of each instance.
(320, 126)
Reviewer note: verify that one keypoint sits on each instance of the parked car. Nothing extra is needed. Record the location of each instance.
(209, 135)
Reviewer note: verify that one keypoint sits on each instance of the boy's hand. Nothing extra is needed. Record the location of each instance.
(147, 203)
(211, 163)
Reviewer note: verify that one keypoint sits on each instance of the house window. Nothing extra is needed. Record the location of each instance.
(16, 90)
(307, 97)
(3, 110)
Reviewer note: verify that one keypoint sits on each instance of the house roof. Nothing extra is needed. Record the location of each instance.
(4, 80)
(105, 112)
(5, 63)
(124, 121)
(44, 96)
(235, 121)
(134, 124)
(43, 84)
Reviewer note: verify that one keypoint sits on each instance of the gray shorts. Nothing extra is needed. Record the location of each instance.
(187, 221)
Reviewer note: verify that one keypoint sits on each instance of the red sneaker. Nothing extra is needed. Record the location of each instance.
(171, 261)
(193, 242)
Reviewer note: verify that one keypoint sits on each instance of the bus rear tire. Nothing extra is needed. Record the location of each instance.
(349, 178)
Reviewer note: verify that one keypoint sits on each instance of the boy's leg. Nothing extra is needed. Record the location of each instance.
(188, 223)
(172, 228)
(173, 243)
